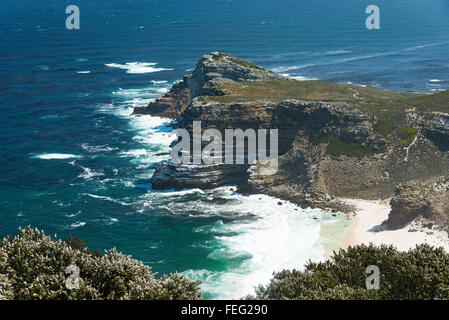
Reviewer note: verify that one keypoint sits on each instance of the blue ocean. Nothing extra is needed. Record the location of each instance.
(73, 160)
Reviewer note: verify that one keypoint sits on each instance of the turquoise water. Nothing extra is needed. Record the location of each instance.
(72, 160)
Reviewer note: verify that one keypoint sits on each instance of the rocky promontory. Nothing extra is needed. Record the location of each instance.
(210, 73)
(335, 140)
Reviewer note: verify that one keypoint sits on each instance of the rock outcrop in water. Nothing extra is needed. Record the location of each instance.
(335, 140)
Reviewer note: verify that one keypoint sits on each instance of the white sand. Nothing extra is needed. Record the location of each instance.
(371, 214)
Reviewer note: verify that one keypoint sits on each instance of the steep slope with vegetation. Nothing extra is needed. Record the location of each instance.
(33, 266)
(419, 274)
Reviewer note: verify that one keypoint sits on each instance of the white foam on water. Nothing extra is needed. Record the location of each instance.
(78, 224)
(88, 174)
(56, 156)
(139, 97)
(94, 149)
(152, 133)
(290, 68)
(434, 80)
(262, 237)
(110, 221)
(134, 153)
(139, 93)
(426, 46)
(335, 52)
(171, 193)
(73, 214)
(289, 54)
(158, 81)
(162, 139)
(137, 67)
(105, 198)
(83, 72)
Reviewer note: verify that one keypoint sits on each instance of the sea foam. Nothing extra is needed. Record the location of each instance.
(137, 67)
(254, 236)
(262, 237)
(56, 156)
(290, 68)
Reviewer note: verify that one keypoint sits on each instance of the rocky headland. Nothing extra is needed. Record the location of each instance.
(335, 140)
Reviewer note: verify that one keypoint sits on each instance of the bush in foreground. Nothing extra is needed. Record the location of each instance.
(421, 273)
(33, 266)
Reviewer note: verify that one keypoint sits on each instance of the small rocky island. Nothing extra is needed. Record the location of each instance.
(335, 140)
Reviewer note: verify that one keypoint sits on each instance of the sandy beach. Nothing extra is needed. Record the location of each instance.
(366, 228)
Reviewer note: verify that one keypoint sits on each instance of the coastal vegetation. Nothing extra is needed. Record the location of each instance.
(388, 108)
(34, 266)
(384, 126)
(220, 55)
(275, 91)
(336, 147)
(407, 135)
(421, 273)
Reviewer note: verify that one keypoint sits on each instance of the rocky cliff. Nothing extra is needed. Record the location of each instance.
(335, 140)
(428, 200)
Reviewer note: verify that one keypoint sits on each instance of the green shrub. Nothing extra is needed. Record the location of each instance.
(384, 126)
(421, 273)
(407, 135)
(245, 63)
(33, 266)
(337, 147)
(202, 99)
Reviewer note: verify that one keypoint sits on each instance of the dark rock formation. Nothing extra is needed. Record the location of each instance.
(169, 105)
(408, 203)
(437, 130)
(178, 177)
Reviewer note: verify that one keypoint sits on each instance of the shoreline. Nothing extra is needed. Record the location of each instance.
(366, 227)
(332, 235)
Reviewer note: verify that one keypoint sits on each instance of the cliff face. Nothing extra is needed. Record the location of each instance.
(169, 105)
(361, 142)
